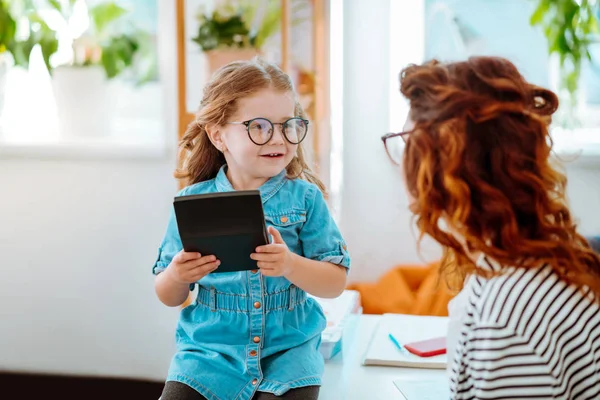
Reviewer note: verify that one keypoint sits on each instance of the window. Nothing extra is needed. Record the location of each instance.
(77, 106)
(456, 29)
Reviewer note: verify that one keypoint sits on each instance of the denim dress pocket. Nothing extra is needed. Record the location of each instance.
(289, 223)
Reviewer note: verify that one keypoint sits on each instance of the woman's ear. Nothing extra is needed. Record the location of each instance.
(216, 137)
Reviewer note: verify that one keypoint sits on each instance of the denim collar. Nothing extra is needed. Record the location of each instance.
(267, 190)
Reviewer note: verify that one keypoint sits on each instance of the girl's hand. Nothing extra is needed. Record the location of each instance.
(274, 259)
(186, 268)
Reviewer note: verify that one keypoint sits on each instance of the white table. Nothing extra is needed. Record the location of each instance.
(347, 379)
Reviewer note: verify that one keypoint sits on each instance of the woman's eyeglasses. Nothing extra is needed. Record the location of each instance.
(261, 130)
(394, 145)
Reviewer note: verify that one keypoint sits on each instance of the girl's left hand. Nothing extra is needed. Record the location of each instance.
(274, 259)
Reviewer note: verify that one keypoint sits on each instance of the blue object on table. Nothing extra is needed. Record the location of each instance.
(397, 343)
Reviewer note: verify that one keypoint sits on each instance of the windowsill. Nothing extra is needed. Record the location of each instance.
(129, 125)
(577, 147)
(588, 157)
(127, 140)
(97, 148)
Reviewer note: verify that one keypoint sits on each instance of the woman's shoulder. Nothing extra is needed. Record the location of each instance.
(530, 301)
(524, 328)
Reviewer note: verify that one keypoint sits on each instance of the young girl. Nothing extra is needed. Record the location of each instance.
(255, 334)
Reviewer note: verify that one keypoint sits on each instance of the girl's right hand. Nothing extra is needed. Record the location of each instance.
(186, 268)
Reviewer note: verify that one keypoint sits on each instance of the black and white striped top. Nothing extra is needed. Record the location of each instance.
(526, 335)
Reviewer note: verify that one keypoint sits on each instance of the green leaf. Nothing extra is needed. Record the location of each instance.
(540, 11)
(104, 14)
(48, 42)
(20, 52)
(56, 5)
(270, 24)
(220, 32)
(8, 27)
(40, 33)
(569, 26)
(231, 23)
(571, 81)
(594, 26)
(65, 10)
(145, 63)
(118, 54)
(249, 9)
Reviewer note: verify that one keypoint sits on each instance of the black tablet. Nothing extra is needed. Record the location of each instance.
(228, 225)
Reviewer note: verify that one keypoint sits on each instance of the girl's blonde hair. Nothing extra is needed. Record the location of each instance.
(200, 159)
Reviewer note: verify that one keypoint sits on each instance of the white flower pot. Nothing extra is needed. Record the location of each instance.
(3, 74)
(82, 101)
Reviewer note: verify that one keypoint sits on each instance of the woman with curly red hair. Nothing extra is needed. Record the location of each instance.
(476, 158)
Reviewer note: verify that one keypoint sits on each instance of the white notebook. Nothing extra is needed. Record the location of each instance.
(406, 329)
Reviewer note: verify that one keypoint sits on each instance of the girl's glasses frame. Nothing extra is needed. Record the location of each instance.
(284, 129)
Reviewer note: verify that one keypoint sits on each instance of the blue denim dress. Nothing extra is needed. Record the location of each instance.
(246, 333)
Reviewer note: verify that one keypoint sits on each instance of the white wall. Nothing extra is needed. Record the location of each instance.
(374, 215)
(583, 191)
(77, 243)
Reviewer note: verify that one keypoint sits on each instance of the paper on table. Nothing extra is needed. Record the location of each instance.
(430, 389)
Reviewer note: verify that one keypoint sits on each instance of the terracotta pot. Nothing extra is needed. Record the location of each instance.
(218, 58)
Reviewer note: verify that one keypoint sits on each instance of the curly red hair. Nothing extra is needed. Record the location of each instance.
(479, 159)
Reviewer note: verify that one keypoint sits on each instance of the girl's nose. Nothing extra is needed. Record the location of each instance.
(277, 135)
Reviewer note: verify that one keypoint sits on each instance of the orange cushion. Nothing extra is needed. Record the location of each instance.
(406, 289)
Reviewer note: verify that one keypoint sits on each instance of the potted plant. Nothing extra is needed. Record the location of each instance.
(229, 32)
(109, 48)
(571, 28)
(21, 29)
